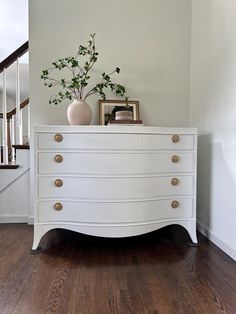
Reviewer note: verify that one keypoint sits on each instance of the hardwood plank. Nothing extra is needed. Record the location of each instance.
(154, 274)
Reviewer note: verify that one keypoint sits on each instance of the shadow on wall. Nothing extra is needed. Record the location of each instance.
(216, 187)
(204, 174)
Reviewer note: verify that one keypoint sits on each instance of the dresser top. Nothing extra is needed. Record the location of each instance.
(113, 129)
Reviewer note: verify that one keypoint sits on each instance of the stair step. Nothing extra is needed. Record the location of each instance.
(9, 166)
(21, 146)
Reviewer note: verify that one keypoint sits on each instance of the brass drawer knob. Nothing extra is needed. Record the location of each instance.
(175, 138)
(174, 181)
(175, 158)
(58, 137)
(58, 206)
(174, 204)
(58, 183)
(58, 158)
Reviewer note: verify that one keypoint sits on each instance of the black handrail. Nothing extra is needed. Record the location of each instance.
(14, 55)
(13, 111)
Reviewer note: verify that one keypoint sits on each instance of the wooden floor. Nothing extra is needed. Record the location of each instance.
(78, 274)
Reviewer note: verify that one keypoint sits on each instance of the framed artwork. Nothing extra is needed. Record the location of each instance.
(108, 108)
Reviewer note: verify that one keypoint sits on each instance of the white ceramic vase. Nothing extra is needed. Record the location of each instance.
(79, 113)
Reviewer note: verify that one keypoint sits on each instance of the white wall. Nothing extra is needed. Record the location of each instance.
(213, 111)
(14, 191)
(148, 40)
(13, 26)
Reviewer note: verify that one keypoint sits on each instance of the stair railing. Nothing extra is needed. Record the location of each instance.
(12, 124)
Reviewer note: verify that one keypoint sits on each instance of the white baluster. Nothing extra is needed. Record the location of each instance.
(12, 128)
(19, 132)
(21, 118)
(1, 143)
(4, 120)
(28, 112)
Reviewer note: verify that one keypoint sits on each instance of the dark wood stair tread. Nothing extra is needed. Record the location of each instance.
(21, 146)
(9, 166)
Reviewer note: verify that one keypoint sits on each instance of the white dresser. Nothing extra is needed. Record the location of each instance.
(114, 181)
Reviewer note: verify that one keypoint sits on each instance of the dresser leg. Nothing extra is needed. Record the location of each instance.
(36, 251)
(192, 233)
(193, 244)
(193, 237)
(38, 233)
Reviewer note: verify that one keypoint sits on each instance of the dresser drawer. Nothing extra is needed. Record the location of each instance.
(112, 188)
(116, 212)
(87, 141)
(115, 163)
(167, 141)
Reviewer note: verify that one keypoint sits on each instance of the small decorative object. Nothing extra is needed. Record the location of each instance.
(74, 86)
(126, 122)
(112, 110)
(124, 115)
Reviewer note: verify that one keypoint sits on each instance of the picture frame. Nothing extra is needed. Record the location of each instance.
(107, 109)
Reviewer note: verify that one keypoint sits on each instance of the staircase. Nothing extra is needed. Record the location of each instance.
(14, 146)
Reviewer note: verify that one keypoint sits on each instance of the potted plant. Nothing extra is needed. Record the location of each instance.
(76, 87)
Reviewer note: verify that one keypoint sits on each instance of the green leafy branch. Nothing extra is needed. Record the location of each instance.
(75, 87)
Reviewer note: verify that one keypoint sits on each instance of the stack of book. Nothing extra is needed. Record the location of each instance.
(126, 122)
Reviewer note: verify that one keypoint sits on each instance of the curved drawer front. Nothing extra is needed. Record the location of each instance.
(131, 212)
(159, 141)
(113, 163)
(109, 188)
(115, 141)
(88, 141)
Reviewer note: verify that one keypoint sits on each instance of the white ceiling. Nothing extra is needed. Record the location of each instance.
(13, 26)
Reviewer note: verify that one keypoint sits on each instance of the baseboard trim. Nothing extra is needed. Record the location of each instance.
(14, 219)
(227, 248)
(17, 219)
(30, 220)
